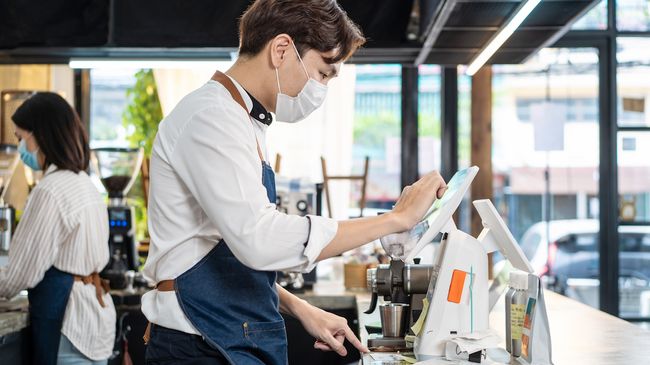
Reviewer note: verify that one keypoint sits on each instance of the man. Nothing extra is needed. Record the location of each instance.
(216, 237)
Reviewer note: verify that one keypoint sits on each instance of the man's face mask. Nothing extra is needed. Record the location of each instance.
(291, 109)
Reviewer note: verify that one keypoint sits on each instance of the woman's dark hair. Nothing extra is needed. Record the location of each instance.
(58, 130)
(313, 24)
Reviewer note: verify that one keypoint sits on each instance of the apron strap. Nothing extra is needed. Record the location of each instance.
(165, 285)
(101, 285)
(147, 333)
(224, 80)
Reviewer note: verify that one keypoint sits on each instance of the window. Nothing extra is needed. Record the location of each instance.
(429, 142)
(377, 131)
(595, 19)
(107, 104)
(633, 15)
(634, 215)
(634, 177)
(633, 87)
(377, 128)
(464, 141)
(530, 244)
(578, 109)
(633, 168)
(552, 96)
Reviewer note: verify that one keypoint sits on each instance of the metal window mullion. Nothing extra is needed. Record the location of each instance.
(608, 181)
(449, 120)
(409, 143)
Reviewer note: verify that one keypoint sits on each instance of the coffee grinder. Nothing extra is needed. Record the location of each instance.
(118, 169)
(9, 158)
(404, 286)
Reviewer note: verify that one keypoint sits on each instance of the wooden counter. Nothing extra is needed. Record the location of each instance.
(579, 334)
(13, 315)
(14, 322)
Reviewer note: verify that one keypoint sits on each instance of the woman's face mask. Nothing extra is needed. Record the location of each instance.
(29, 158)
(291, 109)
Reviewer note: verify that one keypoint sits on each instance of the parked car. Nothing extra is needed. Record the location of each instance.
(571, 261)
(573, 251)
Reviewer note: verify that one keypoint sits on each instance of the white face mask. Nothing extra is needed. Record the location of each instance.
(291, 109)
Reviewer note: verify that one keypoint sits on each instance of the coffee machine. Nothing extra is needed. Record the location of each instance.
(118, 169)
(9, 158)
(297, 197)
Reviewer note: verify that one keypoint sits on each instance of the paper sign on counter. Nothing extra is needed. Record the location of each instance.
(417, 326)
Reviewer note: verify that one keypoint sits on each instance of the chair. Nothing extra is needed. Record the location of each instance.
(363, 178)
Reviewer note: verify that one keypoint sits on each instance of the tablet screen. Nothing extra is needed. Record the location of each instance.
(457, 184)
(406, 245)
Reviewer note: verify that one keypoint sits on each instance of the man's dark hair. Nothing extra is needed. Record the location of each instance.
(313, 24)
(58, 130)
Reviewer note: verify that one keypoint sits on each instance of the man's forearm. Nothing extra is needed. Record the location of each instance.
(357, 232)
(289, 303)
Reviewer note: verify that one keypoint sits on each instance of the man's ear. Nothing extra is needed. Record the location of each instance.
(279, 47)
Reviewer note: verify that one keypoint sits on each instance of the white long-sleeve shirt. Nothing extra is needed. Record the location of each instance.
(65, 225)
(205, 185)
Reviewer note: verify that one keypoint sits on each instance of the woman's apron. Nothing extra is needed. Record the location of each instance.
(47, 303)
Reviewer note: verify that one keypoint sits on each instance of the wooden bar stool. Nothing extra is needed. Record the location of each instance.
(364, 183)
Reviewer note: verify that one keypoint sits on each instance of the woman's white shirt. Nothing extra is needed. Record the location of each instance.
(65, 225)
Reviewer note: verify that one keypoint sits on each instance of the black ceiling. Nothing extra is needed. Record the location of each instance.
(55, 30)
(470, 24)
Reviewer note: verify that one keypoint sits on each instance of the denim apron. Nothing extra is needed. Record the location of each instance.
(234, 307)
(47, 303)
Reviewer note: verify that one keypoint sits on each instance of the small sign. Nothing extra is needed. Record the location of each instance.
(636, 105)
(629, 143)
(548, 120)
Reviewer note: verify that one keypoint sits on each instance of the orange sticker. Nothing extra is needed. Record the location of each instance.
(525, 343)
(456, 286)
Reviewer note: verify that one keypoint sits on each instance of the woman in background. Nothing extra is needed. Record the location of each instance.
(61, 242)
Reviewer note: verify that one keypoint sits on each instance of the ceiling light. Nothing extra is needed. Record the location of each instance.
(502, 36)
(90, 63)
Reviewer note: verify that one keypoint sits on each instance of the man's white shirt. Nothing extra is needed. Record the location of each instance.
(206, 185)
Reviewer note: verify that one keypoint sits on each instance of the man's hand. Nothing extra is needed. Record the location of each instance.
(416, 199)
(330, 330)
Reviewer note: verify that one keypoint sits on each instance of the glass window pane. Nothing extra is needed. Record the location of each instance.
(464, 141)
(108, 101)
(429, 110)
(633, 15)
(551, 98)
(377, 132)
(633, 86)
(634, 230)
(595, 19)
